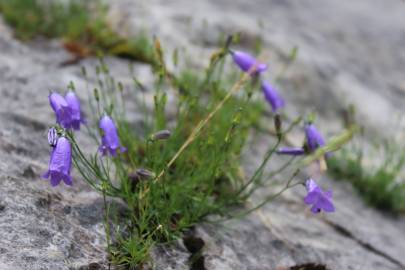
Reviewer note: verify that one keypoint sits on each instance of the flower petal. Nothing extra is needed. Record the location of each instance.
(311, 198)
(326, 205)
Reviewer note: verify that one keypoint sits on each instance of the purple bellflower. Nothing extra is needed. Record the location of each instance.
(314, 137)
(319, 199)
(74, 104)
(60, 163)
(62, 110)
(272, 96)
(110, 141)
(246, 61)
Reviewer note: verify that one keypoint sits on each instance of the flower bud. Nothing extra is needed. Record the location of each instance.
(278, 125)
(272, 96)
(161, 135)
(245, 62)
(52, 136)
(144, 173)
(96, 95)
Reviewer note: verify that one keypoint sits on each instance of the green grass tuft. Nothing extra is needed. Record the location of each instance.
(82, 25)
(380, 184)
(204, 180)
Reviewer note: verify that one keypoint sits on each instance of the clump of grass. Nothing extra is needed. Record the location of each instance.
(380, 185)
(193, 174)
(82, 25)
(169, 185)
(204, 180)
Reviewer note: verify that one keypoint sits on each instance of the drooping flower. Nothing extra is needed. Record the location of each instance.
(52, 136)
(314, 137)
(61, 108)
(110, 141)
(272, 96)
(74, 104)
(292, 151)
(319, 199)
(246, 61)
(60, 163)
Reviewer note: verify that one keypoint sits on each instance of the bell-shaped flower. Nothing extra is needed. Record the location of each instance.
(60, 163)
(246, 61)
(314, 137)
(110, 141)
(319, 199)
(74, 104)
(61, 108)
(272, 96)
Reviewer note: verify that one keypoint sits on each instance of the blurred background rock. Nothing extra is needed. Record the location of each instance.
(350, 52)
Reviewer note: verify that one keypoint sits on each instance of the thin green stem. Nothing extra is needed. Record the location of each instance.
(260, 169)
(265, 201)
(106, 220)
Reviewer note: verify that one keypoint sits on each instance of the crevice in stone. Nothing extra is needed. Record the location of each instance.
(309, 266)
(92, 266)
(44, 201)
(195, 246)
(346, 233)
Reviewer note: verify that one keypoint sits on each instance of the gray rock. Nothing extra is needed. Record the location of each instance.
(349, 53)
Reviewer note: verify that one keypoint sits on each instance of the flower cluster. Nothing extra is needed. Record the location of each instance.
(67, 110)
(69, 118)
(316, 197)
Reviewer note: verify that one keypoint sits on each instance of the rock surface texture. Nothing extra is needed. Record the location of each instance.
(349, 52)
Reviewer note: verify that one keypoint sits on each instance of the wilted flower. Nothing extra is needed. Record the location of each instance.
(293, 151)
(62, 110)
(314, 137)
(52, 136)
(161, 135)
(245, 62)
(74, 104)
(144, 173)
(139, 175)
(60, 163)
(109, 141)
(278, 124)
(272, 96)
(319, 199)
